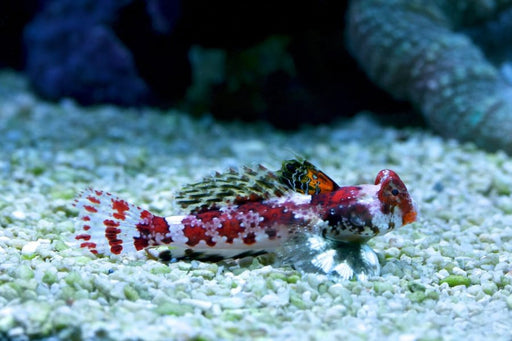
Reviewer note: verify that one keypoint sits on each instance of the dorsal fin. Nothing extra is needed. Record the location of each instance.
(305, 178)
(231, 187)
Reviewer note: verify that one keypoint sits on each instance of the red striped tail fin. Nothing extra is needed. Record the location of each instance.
(107, 225)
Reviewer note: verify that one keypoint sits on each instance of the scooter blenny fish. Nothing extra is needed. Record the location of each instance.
(298, 212)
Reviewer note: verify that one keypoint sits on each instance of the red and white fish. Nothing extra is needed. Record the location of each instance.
(251, 212)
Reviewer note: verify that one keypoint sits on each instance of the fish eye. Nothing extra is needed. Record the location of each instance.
(394, 191)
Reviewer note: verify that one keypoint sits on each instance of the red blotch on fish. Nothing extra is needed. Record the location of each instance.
(110, 223)
(90, 209)
(116, 249)
(111, 233)
(149, 226)
(94, 200)
(121, 207)
(89, 245)
(250, 238)
(195, 233)
(83, 236)
(140, 243)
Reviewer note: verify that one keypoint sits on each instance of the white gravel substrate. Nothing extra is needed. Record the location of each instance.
(447, 276)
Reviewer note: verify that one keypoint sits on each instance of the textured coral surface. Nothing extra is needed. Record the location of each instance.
(418, 51)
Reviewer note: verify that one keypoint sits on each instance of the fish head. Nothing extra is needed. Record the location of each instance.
(394, 195)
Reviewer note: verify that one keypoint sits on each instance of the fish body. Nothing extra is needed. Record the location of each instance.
(224, 220)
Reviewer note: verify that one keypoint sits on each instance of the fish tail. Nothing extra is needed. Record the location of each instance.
(108, 225)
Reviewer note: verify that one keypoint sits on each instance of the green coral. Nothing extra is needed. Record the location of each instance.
(417, 51)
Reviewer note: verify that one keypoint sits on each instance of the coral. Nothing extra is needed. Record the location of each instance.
(73, 53)
(73, 49)
(421, 51)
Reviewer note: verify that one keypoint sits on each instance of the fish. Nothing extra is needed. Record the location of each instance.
(249, 212)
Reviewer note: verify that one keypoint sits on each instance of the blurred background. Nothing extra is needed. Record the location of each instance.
(283, 62)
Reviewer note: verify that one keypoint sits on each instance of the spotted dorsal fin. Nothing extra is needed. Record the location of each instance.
(303, 177)
(231, 187)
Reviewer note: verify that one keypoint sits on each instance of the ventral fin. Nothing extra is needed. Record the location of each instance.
(303, 177)
(231, 187)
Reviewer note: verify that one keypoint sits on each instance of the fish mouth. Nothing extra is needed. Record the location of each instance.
(411, 215)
